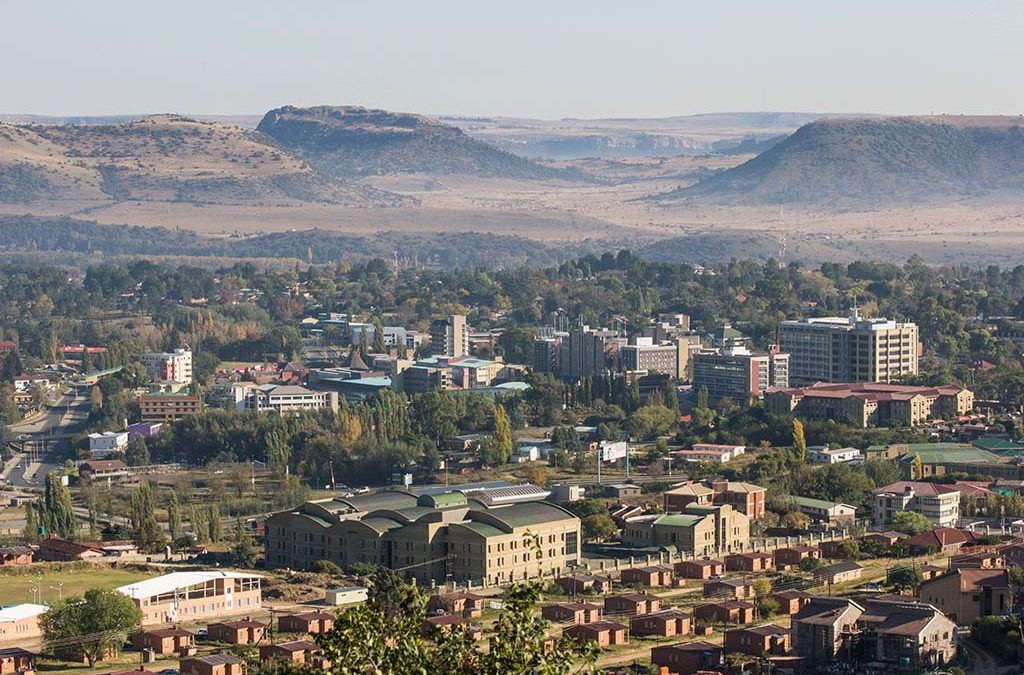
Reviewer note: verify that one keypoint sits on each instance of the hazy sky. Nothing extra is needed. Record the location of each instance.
(556, 58)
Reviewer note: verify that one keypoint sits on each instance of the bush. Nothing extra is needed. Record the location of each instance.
(327, 567)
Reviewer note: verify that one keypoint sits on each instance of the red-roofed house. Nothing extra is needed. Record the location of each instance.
(940, 540)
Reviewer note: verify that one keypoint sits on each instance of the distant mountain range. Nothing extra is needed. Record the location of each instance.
(354, 142)
(876, 161)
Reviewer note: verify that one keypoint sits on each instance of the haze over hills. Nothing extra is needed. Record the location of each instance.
(352, 142)
(856, 162)
(633, 137)
(165, 158)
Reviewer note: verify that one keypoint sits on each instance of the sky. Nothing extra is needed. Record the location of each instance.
(551, 59)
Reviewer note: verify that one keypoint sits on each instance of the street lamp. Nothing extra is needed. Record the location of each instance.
(60, 591)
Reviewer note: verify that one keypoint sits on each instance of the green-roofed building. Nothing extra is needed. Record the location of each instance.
(824, 511)
(700, 530)
(1004, 447)
(433, 537)
(938, 459)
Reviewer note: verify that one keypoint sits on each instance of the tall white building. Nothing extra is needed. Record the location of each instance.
(173, 366)
(848, 349)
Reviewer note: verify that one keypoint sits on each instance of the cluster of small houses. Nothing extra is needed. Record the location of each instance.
(904, 631)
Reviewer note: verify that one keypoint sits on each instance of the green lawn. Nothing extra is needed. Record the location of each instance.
(17, 588)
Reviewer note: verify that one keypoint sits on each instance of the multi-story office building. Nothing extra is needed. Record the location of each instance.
(870, 404)
(439, 537)
(283, 398)
(583, 353)
(546, 355)
(739, 374)
(168, 407)
(420, 378)
(449, 336)
(644, 355)
(173, 366)
(849, 349)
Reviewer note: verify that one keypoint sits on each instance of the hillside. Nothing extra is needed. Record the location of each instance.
(353, 142)
(875, 161)
(163, 158)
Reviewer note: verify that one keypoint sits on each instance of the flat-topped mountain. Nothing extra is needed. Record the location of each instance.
(869, 161)
(163, 158)
(352, 142)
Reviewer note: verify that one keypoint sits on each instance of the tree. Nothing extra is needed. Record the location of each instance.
(99, 622)
(536, 474)
(903, 578)
(849, 550)
(174, 516)
(378, 336)
(795, 520)
(809, 564)
(651, 420)
(799, 441)
(243, 552)
(31, 532)
(502, 435)
(768, 607)
(213, 523)
(375, 637)
(910, 522)
(599, 526)
(57, 515)
(148, 535)
(917, 468)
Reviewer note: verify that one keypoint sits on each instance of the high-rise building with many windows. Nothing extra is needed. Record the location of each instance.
(849, 349)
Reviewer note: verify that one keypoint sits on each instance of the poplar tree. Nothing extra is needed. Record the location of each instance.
(174, 516)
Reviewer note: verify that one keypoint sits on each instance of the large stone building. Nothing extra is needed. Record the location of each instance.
(700, 529)
(867, 404)
(448, 536)
(449, 336)
(849, 349)
(737, 373)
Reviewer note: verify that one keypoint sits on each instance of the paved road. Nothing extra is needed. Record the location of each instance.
(46, 440)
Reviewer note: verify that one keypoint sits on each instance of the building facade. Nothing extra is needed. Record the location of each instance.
(434, 537)
(173, 366)
(194, 596)
(738, 374)
(283, 398)
(937, 502)
(870, 404)
(449, 336)
(168, 407)
(849, 349)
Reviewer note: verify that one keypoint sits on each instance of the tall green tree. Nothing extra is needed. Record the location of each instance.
(799, 441)
(174, 516)
(99, 622)
(243, 552)
(213, 522)
(502, 435)
(58, 516)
